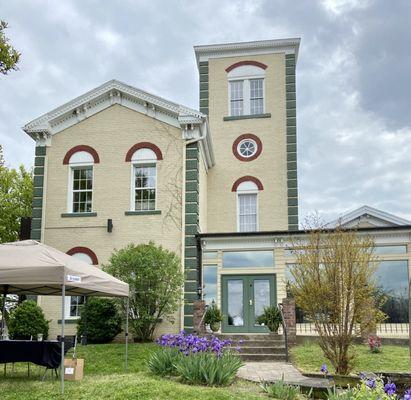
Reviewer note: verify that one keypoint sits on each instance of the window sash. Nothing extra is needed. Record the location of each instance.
(247, 212)
(145, 181)
(81, 189)
(246, 96)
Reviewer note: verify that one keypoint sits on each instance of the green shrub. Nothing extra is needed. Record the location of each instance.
(101, 320)
(163, 361)
(213, 314)
(27, 321)
(282, 391)
(271, 317)
(208, 368)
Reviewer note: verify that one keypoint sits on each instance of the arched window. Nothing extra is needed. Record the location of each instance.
(144, 158)
(246, 88)
(73, 304)
(81, 160)
(247, 203)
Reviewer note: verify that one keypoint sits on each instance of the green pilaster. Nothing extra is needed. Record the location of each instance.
(37, 204)
(291, 127)
(191, 229)
(203, 70)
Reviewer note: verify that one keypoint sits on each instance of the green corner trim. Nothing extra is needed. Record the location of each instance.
(237, 117)
(148, 212)
(74, 215)
(291, 123)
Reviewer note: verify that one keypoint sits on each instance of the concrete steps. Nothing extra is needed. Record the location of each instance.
(259, 348)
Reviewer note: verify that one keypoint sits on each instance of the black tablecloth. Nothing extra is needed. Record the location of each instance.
(45, 353)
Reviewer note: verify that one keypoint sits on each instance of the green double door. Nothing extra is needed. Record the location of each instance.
(243, 300)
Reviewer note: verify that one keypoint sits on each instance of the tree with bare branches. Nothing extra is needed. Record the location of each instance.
(333, 283)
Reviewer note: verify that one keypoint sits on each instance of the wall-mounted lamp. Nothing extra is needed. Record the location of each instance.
(109, 225)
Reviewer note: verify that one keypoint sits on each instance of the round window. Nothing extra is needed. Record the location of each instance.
(247, 148)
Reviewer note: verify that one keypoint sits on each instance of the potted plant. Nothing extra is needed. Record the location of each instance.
(271, 317)
(213, 317)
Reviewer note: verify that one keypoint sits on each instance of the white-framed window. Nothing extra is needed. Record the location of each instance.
(247, 147)
(144, 180)
(74, 304)
(247, 207)
(80, 190)
(246, 90)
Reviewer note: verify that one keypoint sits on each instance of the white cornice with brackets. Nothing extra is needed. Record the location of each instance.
(191, 122)
(287, 46)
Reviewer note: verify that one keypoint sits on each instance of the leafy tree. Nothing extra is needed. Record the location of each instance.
(334, 284)
(100, 320)
(16, 194)
(27, 320)
(9, 56)
(155, 278)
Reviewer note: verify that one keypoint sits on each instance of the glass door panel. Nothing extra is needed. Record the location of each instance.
(235, 302)
(261, 297)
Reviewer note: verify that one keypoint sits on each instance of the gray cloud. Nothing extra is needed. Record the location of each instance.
(354, 128)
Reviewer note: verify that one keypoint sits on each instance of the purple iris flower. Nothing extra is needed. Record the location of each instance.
(407, 394)
(370, 383)
(390, 388)
(324, 369)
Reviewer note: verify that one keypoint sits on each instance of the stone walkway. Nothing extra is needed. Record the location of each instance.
(274, 371)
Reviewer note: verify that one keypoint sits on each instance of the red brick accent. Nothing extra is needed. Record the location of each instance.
(245, 179)
(290, 320)
(81, 147)
(247, 136)
(85, 250)
(198, 313)
(144, 145)
(241, 63)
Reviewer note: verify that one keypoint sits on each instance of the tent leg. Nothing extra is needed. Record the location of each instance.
(127, 312)
(3, 313)
(84, 338)
(63, 298)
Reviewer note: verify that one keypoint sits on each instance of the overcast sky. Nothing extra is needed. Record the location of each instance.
(353, 78)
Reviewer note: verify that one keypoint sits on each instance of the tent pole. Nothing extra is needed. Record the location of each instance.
(127, 312)
(3, 313)
(63, 298)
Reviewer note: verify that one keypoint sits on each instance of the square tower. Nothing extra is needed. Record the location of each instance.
(248, 91)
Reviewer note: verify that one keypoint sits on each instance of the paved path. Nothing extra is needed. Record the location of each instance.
(274, 371)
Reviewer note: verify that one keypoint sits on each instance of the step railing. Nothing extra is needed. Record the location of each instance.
(280, 307)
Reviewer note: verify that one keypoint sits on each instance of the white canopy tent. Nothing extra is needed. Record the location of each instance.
(32, 268)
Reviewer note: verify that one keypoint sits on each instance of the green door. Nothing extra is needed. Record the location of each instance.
(243, 300)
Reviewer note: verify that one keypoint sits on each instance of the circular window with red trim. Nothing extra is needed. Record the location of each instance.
(247, 147)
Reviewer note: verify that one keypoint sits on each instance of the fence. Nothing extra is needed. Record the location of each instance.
(383, 330)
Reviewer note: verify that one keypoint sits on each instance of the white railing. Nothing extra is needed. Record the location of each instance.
(383, 330)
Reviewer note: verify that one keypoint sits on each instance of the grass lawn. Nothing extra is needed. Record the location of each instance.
(309, 358)
(105, 379)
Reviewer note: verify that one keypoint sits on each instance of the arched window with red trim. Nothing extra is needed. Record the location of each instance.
(247, 189)
(144, 157)
(246, 88)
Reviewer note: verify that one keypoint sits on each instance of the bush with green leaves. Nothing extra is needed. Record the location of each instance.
(271, 317)
(155, 277)
(27, 321)
(163, 361)
(99, 320)
(208, 368)
(282, 391)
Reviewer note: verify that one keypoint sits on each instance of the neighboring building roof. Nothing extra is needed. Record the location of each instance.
(288, 46)
(367, 216)
(193, 123)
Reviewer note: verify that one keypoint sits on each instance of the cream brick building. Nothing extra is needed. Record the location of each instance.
(217, 186)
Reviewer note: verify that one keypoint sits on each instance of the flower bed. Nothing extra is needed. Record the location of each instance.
(195, 359)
